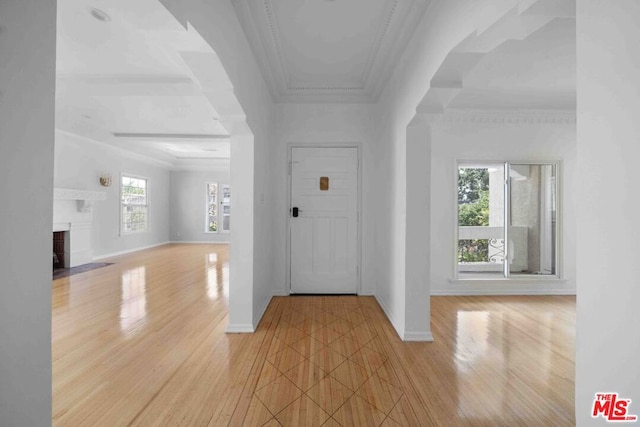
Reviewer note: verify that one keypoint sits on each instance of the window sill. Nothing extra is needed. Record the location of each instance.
(133, 233)
(515, 280)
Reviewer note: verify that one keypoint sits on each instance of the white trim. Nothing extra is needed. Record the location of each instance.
(359, 152)
(147, 204)
(199, 242)
(509, 117)
(495, 117)
(240, 328)
(391, 318)
(206, 207)
(74, 194)
(518, 279)
(406, 336)
(128, 251)
(219, 211)
(506, 164)
(418, 337)
(258, 318)
(266, 44)
(485, 291)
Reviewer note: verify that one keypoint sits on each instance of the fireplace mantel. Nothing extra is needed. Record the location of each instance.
(72, 213)
(85, 198)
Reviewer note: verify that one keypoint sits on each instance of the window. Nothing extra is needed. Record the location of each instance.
(225, 203)
(212, 208)
(507, 220)
(134, 205)
(218, 213)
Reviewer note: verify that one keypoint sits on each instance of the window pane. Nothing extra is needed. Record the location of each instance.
(480, 220)
(212, 208)
(134, 205)
(532, 228)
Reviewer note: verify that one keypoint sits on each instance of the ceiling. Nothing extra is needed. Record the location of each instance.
(536, 73)
(345, 51)
(130, 76)
(124, 78)
(524, 62)
(328, 50)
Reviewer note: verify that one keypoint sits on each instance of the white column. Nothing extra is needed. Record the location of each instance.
(27, 87)
(418, 233)
(241, 247)
(608, 257)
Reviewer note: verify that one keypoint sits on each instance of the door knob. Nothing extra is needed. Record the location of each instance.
(294, 212)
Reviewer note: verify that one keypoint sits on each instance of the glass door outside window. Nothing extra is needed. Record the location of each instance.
(507, 220)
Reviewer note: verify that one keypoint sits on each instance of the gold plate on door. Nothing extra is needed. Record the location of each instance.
(324, 183)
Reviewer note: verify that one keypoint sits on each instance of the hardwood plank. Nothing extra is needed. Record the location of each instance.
(142, 342)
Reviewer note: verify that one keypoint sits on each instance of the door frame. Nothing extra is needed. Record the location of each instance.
(290, 147)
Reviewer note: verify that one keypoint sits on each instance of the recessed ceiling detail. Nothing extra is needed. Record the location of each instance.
(328, 51)
(142, 84)
(525, 61)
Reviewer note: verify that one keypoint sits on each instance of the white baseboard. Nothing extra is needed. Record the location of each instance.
(128, 251)
(391, 318)
(418, 336)
(367, 293)
(258, 318)
(499, 292)
(405, 336)
(199, 242)
(240, 328)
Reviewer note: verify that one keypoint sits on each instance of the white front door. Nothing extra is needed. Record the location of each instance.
(324, 220)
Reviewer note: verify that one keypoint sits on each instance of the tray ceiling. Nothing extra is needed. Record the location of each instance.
(130, 76)
(328, 50)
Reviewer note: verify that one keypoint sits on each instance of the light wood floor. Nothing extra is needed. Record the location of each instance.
(142, 343)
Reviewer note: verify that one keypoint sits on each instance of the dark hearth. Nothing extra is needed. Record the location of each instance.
(58, 249)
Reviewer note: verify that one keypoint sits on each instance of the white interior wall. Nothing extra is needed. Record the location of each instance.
(188, 205)
(607, 132)
(335, 125)
(251, 271)
(607, 343)
(27, 80)
(78, 164)
(498, 142)
(445, 24)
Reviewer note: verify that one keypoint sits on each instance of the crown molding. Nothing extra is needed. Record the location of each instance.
(257, 45)
(498, 117)
(392, 48)
(275, 36)
(382, 34)
(260, 24)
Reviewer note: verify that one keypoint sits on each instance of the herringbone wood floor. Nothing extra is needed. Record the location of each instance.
(142, 342)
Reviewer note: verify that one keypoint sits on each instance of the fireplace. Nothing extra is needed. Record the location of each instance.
(60, 250)
(72, 223)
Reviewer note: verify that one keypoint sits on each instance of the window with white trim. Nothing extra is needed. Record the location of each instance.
(134, 205)
(218, 208)
(507, 219)
(212, 208)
